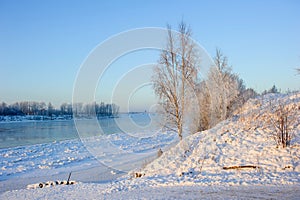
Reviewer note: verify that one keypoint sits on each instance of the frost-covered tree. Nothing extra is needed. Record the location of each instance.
(224, 88)
(204, 98)
(174, 75)
(218, 93)
(244, 94)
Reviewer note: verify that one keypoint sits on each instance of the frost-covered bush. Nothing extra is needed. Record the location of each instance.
(282, 117)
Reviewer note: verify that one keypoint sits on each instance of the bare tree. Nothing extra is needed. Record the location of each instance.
(282, 117)
(174, 75)
(51, 110)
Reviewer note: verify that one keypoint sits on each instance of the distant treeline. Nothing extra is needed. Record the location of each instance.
(43, 109)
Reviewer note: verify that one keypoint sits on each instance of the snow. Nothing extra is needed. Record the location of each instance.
(191, 169)
(239, 141)
(20, 166)
(97, 191)
(25, 159)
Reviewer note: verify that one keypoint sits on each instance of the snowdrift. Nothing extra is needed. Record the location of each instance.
(238, 151)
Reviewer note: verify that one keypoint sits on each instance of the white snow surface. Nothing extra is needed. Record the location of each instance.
(194, 168)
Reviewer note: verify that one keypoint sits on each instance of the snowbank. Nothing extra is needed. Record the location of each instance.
(239, 141)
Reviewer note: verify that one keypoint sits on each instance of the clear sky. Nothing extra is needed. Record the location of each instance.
(43, 43)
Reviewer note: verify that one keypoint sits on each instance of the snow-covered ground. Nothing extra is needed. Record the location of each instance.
(21, 166)
(98, 191)
(199, 167)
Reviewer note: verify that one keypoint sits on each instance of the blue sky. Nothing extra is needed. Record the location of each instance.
(43, 43)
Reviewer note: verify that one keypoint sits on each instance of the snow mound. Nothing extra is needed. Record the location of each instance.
(238, 151)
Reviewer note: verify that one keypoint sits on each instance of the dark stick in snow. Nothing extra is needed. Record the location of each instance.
(69, 178)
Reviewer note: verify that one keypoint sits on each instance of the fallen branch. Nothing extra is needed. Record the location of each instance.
(242, 167)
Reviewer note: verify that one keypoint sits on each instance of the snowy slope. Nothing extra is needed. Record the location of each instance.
(240, 141)
(244, 140)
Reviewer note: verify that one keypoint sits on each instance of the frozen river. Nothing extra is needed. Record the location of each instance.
(25, 133)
